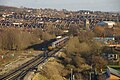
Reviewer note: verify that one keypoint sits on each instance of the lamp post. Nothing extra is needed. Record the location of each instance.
(72, 76)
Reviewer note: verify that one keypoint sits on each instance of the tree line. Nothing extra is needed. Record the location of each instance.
(16, 39)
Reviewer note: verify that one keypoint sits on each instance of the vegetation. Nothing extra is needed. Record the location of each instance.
(17, 39)
(52, 70)
(39, 77)
(82, 52)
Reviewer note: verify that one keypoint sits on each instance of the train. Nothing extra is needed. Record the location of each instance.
(58, 43)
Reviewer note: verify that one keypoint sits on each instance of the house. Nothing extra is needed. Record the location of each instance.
(87, 24)
(17, 23)
(109, 23)
(113, 57)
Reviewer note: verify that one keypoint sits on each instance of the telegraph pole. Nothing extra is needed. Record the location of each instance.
(72, 76)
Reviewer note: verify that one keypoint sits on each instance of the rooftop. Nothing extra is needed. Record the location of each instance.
(113, 71)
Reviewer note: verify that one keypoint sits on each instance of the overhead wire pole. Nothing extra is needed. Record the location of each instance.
(71, 74)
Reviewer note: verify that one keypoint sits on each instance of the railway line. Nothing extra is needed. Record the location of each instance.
(20, 72)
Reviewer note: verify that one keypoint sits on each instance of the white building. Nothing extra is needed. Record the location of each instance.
(109, 23)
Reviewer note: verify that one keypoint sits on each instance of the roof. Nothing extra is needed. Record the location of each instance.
(109, 22)
(104, 38)
(114, 72)
(102, 23)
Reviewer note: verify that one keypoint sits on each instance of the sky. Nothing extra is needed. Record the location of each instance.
(74, 5)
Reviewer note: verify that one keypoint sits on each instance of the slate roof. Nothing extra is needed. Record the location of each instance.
(114, 72)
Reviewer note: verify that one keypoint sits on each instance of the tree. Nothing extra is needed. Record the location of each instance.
(99, 31)
(38, 33)
(85, 36)
(78, 61)
(117, 32)
(47, 36)
(73, 30)
(73, 45)
(10, 39)
(98, 62)
(84, 49)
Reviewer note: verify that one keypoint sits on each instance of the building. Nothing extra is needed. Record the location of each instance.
(109, 23)
(112, 74)
(87, 24)
(105, 40)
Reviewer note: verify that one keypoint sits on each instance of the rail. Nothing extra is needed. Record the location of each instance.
(20, 72)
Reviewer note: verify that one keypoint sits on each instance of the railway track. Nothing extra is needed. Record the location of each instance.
(20, 72)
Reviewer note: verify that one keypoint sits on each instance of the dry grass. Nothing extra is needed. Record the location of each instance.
(53, 70)
(39, 77)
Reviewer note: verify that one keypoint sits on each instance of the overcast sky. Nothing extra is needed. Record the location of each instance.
(96, 5)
